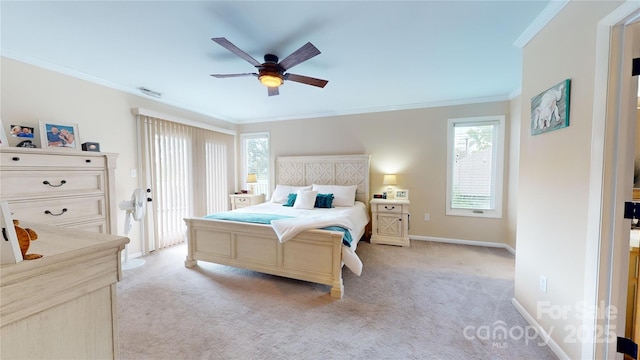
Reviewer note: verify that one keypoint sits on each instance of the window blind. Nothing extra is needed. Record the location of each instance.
(188, 170)
(473, 181)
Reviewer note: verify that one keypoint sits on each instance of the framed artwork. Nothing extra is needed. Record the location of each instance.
(3, 136)
(550, 108)
(21, 131)
(402, 194)
(59, 135)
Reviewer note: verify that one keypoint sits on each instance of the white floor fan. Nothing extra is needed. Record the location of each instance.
(135, 209)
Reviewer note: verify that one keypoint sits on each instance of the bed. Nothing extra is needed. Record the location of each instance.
(313, 255)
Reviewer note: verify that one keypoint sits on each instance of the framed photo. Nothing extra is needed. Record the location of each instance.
(21, 131)
(59, 135)
(3, 136)
(402, 194)
(10, 248)
(550, 108)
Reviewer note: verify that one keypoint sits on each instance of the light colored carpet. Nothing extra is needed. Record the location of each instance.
(409, 303)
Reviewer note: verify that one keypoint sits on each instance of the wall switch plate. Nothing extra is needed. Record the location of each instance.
(427, 217)
(134, 173)
(543, 283)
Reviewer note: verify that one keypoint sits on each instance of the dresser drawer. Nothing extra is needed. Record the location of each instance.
(390, 208)
(18, 185)
(242, 201)
(95, 227)
(51, 161)
(60, 211)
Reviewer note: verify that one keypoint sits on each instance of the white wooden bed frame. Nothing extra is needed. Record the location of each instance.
(313, 255)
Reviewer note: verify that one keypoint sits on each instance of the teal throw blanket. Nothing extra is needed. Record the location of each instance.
(260, 218)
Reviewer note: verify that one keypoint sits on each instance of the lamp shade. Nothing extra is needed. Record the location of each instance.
(389, 180)
(270, 80)
(252, 178)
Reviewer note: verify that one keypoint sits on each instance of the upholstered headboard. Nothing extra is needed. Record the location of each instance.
(325, 170)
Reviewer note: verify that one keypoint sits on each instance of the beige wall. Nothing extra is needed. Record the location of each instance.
(409, 143)
(554, 171)
(513, 171)
(103, 115)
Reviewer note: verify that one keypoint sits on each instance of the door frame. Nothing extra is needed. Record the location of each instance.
(610, 182)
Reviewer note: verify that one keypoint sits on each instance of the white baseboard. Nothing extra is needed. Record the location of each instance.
(546, 337)
(464, 242)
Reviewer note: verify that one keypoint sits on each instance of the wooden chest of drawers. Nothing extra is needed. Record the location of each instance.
(63, 305)
(64, 188)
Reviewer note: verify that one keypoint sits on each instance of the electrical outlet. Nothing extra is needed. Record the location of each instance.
(543, 283)
(427, 217)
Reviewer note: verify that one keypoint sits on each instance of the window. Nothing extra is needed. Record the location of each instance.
(475, 161)
(255, 160)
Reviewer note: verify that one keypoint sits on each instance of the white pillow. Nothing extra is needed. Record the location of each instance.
(281, 193)
(305, 199)
(343, 195)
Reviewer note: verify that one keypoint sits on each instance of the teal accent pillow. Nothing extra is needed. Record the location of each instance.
(291, 199)
(324, 201)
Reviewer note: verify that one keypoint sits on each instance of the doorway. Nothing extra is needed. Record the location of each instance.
(612, 159)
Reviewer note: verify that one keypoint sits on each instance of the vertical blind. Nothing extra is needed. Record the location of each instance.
(187, 170)
(474, 172)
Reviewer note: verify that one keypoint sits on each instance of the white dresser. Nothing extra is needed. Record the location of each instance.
(74, 189)
(63, 305)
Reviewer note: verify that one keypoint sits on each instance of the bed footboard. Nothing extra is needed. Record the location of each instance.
(313, 255)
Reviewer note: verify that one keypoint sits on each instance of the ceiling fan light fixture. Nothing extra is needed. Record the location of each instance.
(270, 80)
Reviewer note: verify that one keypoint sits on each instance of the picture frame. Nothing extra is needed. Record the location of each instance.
(9, 247)
(550, 108)
(22, 131)
(55, 134)
(402, 194)
(3, 135)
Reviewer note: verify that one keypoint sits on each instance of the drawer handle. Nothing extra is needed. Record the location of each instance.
(15, 158)
(52, 214)
(62, 182)
(87, 161)
(393, 207)
(242, 199)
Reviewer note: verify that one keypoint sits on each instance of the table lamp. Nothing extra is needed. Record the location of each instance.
(251, 180)
(389, 180)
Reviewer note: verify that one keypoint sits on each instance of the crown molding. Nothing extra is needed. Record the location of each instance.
(549, 12)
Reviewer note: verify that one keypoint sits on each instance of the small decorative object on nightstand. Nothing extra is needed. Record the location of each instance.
(244, 200)
(390, 222)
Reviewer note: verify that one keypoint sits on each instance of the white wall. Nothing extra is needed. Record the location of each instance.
(103, 115)
(554, 172)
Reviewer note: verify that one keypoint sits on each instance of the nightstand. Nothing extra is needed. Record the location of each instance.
(244, 200)
(390, 222)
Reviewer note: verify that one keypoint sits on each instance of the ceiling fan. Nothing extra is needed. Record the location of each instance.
(271, 73)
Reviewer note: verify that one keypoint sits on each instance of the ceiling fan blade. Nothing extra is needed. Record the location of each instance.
(232, 75)
(306, 52)
(273, 91)
(306, 80)
(234, 49)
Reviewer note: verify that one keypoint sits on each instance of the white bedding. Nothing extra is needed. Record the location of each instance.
(354, 219)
